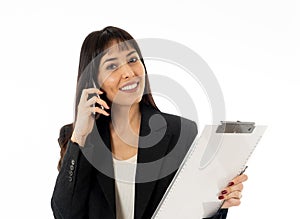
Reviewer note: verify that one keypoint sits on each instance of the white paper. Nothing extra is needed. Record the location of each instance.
(194, 192)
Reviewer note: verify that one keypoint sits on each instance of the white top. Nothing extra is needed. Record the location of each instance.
(125, 187)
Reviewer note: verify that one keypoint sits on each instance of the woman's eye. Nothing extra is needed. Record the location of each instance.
(111, 67)
(133, 60)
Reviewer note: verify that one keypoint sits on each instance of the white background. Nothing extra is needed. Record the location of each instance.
(251, 46)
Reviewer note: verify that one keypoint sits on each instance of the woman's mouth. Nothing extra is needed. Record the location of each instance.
(130, 88)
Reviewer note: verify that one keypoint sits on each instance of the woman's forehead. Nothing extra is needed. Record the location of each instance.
(117, 47)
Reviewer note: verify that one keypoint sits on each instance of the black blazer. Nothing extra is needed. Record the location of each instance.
(85, 187)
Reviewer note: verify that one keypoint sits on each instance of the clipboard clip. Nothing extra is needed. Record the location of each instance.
(235, 127)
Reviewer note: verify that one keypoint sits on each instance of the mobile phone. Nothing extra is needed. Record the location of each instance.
(96, 115)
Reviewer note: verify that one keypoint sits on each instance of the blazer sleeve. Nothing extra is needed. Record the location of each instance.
(221, 214)
(71, 191)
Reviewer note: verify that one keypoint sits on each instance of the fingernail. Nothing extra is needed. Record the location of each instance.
(221, 197)
(224, 192)
(231, 184)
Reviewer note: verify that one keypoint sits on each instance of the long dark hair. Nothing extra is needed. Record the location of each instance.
(91, 53)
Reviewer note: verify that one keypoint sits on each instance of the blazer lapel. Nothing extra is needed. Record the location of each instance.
(103, 160)
(153, 142)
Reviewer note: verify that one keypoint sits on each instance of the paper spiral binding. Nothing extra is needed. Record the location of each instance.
(246, 161)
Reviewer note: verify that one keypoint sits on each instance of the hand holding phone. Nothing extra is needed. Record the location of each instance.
(90, 107)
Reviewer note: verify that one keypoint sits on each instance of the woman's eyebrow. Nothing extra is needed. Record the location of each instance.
(113, 59)
(130, 53)
(108, 60)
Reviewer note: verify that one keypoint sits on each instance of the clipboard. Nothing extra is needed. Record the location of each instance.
(215, 157)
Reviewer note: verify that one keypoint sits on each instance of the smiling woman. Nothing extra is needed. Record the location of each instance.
(122, 73)
(103, 176)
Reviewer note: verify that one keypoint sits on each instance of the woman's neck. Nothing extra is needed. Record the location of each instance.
(124, 128)
(126, 118)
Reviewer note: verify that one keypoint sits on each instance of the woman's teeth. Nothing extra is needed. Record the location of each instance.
(129, 87)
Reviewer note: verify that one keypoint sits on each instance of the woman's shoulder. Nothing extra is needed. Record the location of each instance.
(183, 132)
(175, 121)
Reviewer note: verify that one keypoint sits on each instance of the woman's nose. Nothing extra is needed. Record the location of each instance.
(127, 71)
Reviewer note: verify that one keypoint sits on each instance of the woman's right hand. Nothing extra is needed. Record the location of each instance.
(86, 108)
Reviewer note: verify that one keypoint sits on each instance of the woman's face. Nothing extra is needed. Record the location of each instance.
(122, 75)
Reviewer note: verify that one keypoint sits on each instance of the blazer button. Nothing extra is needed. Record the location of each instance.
(72, 167)
(70, 173)
(72, 162)
(70, 179)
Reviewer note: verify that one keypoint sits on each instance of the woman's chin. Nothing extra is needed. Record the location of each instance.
(126, 101)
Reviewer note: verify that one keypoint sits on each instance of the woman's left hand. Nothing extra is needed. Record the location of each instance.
(232, 194)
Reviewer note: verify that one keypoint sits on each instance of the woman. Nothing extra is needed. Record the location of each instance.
(116, 125)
